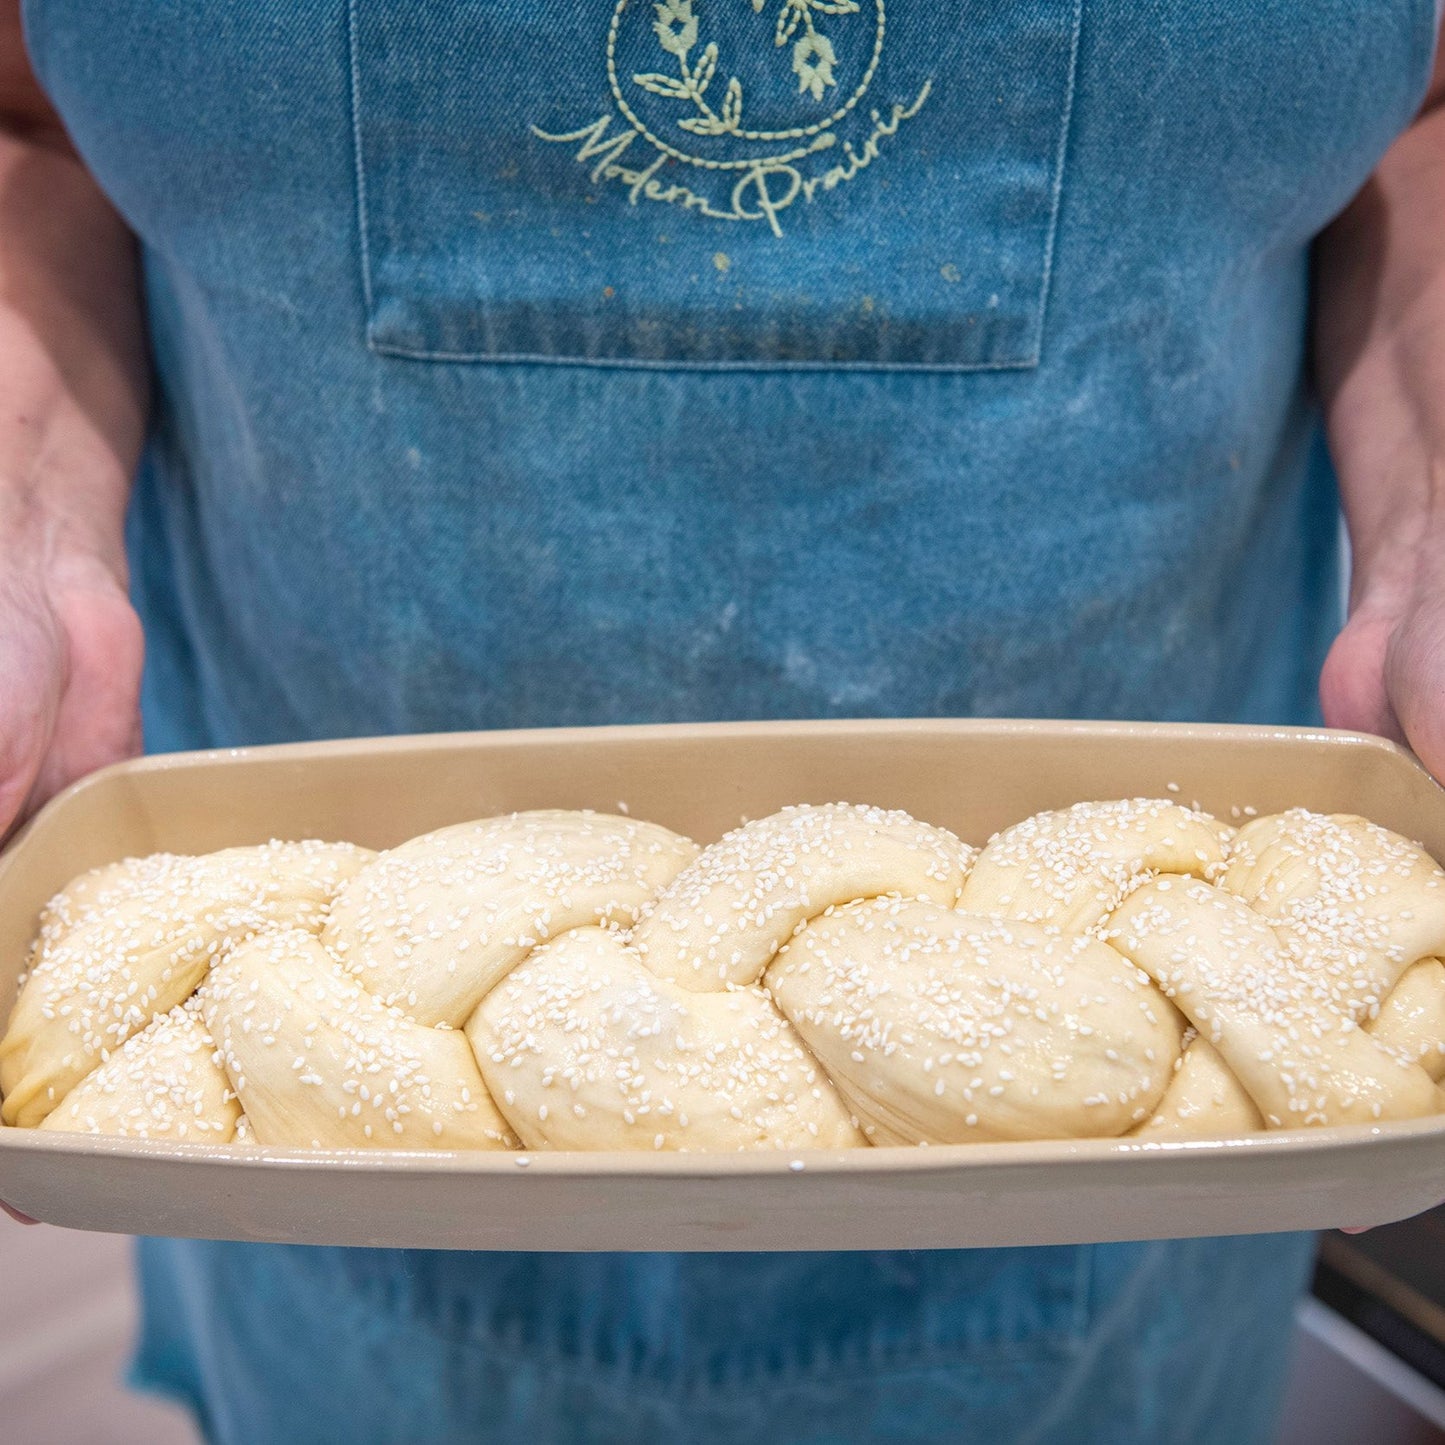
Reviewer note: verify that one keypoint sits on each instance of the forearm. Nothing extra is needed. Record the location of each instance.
(72, 416)
(72, 360)
(1380, 357)
(1380, 360)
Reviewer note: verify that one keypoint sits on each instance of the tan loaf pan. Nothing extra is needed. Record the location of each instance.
(972, 776)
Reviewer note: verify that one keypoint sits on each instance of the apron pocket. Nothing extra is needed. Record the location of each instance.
(767, 183)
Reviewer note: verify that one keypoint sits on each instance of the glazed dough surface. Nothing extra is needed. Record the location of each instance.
(134, 941)
(944, 1027)
(832, 976)
(1300, 1057)
(316, 1060)
(722, 919)
(1073, 867)
(434, 925)
(584, 1047)
(166, 1082)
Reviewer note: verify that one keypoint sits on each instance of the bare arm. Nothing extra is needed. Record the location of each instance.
(72, 415)
(1380, 357)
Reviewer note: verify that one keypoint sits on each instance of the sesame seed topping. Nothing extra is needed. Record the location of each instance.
(827, 976)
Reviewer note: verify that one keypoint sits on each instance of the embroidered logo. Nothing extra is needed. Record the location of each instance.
(764, 110)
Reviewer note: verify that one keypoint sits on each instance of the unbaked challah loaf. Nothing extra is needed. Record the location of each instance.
(130, 942)
(829, 976)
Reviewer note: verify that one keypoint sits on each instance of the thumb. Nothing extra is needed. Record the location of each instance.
(98, 717)
(1353, 690)
(1415, 681)
(31, 663)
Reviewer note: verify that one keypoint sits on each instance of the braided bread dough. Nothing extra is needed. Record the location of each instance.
(721, 920)
(121, 946)
(164, 1082)
(1071, 868)
(319, 1061)
(942, 1027)
(830, 976)
(1300, 1059)
(434, 925)
(584, 1047)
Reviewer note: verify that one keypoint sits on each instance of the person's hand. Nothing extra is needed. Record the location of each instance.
(1379, 355)
(73, 401)
(1385, 673)
(70, 657)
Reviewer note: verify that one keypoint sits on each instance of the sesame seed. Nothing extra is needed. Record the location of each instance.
(829, 976)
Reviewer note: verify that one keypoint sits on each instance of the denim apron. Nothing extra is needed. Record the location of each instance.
(530, 362)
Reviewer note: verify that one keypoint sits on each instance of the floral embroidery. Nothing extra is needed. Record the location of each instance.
(676, 29)
(678, 102)
(813, 60)
(813, 54)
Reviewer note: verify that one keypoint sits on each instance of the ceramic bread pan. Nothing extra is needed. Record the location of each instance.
(972, 776)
